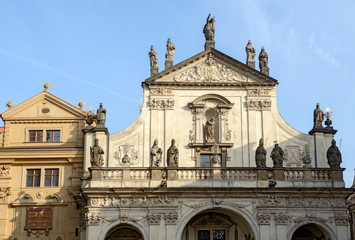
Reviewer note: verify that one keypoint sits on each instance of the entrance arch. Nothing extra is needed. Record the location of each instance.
(124, 232)
(311, 231)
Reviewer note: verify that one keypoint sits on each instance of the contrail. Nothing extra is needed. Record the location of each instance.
(67, 75)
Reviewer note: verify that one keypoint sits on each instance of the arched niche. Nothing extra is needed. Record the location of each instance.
(211, 135)
(124, 232)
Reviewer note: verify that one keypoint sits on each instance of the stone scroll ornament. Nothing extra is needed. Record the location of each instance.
(260, 155)
(97, 155)
(173, 155)
(155, 154)
(334, 156)
(277, 156)
(101, 116)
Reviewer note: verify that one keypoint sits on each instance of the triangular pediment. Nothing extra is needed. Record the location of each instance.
(43, 106)
(211, 67)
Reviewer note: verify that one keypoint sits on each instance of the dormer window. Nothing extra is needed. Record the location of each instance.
(44, 135)
(53, 135)
(36, 135)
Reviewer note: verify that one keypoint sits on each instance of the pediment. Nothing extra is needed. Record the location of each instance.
(211, 67)
(43, 106)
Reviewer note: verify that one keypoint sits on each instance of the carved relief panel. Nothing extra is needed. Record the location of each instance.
(293, 156)
(258, 99)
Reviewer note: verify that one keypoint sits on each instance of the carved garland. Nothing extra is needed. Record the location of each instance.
(131, 202)
(4, 170)
(5, 191)
(271, 201)
(159, 104)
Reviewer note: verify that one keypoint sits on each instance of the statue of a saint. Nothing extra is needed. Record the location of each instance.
(260, 154)
(155, 154)
(250, 52)
(153, 58)
(209, 130)
(277, 156)
(208, 29)
(334, 156)
(169, 55)
(263, 58)
(101, 116)
(173, 155)
(97, 155)
(318, 117)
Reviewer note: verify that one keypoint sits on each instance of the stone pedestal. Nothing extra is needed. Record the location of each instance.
(168, 64)
(265, 70)
(262, 174)
(154, 71)
(172, 174)
(279, 174)
(156, 174)
(209, 44)
(251, 64)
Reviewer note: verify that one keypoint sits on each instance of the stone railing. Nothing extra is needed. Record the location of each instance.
(214, 177)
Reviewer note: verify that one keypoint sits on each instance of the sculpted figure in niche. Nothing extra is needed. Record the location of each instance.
(208, 29)
(334, 156)
(173, 155)
(155, 154)
(209, 130)
(263, 58)
(277, 156)
(260, 154)
(101, 116)
(153, 58)
(318, 117)
(97, 155)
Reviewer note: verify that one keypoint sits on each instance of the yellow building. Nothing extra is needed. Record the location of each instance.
(41, 162)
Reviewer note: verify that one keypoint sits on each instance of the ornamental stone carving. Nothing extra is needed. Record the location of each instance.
(255, 105)
(210, 71)
(309, 219)
(4, 170)
(264, 219)
(293, 155)
(77, 170)
(92, 218)
(257, 92)
(154, 219)
(161, 91)
(161, 104)
(5, 191)
(272, 201)
(281, 219)
(171, 218)
(126, 155)
(131, 202)
(342, 219)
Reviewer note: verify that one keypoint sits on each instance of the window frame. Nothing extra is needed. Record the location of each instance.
(53, 135)
(42, 175)
(36, 135)
(52, 175)
(33, 176)
(45, 131)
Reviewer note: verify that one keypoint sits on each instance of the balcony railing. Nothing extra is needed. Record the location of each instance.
(215, 177)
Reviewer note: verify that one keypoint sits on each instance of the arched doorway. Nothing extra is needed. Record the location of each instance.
(310, 232)
(217, 225)
(124, 232)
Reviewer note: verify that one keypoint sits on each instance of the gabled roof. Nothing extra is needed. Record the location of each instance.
(70, 110)
(229, 70)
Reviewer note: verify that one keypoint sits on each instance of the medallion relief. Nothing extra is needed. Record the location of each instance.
(126, 155)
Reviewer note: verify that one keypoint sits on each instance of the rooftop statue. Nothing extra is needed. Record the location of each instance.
(97, 155)
(334, 156)
(260, 154)
(250, 50)
(173, 155)
(154, 68)
(208, 29)
(277, 156)
(263, 61)
(101, 116)
(155, 154)
(169, 55)
(318, 117)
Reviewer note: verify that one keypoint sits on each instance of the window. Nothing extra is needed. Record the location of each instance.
(207, 160)
(51, 177)
(36, 135)
(211, 235)
(33, 178)
(53, 135)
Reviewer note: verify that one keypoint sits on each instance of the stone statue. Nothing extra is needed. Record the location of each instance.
(101, 116)
(208, 29)
(173, 155)
(169, 55)
(318, 117)
(277, 156)
(97, 155)
(154, 68)
(260, 154)
(155, 154)
(209, 130)
(334, 156)
(250, 53)
(263, 61)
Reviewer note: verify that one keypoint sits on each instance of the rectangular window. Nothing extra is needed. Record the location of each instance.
(53, 135)
(51, 177)
(36, 135)
(33, 178)
(208, 160)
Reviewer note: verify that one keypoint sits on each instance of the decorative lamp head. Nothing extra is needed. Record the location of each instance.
(46, 86)
(81, 104)
(9, 104)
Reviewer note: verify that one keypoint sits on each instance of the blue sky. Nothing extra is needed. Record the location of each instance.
(97, 51)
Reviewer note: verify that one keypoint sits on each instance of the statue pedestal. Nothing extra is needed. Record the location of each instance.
(209, 44)
(265, 70)
(154, 71)
(251, 64)
(168, 64)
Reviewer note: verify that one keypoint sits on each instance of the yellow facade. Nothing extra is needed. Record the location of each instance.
(41, 162)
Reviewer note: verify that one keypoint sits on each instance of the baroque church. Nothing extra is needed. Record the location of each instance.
(209, 158)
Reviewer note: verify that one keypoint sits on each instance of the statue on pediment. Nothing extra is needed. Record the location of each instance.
(155, 154)
(173, 155)
(154, 68)
(334, 156)
(277, 156)
(97, 155)
(101, 116)
(318, 117)
(209, 130)
(169, 55)
(264, 61)
(260, 154)
(250, 50)
(209, 28)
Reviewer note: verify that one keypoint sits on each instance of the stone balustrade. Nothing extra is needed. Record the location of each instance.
(214, 177)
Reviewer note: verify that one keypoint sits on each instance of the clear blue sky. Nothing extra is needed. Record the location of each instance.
(97, 51)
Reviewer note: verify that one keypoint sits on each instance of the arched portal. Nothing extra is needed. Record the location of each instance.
(310, 232)
(124, 232)
(217, 224)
